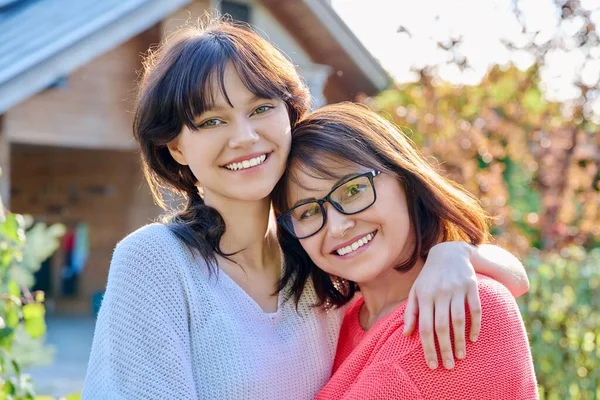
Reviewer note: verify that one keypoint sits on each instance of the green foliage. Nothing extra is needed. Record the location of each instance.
(23, 247)
(532, 164)
(561, 314)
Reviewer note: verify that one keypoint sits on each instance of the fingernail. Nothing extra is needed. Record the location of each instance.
(474, 338)
(432, 364)
(460, 354)
(449, 364)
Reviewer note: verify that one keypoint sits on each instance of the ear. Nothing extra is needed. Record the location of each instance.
(176, 152)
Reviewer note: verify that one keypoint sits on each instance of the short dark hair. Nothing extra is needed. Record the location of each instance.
(177, 85)
(439, 209)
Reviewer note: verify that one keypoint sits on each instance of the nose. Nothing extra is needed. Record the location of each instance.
(337, 223)
(244, 135)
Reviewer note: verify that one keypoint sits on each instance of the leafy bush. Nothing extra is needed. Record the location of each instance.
(562, 318)
(23, 247)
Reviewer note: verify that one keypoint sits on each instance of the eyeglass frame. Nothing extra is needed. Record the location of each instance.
(327, 199)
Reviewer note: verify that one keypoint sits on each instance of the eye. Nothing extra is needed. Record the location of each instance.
(262, 109)
(312, 210)
(210, 123)
(354, 190)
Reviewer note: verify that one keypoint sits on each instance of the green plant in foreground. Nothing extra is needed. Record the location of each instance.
(561, 314)
(23, 247)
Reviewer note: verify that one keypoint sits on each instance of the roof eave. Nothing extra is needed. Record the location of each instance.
(29, 81)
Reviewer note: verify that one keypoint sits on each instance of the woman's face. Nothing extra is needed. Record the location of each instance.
(381, 234)
(239, 151)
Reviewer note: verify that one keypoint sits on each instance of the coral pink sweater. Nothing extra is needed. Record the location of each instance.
(382, 363)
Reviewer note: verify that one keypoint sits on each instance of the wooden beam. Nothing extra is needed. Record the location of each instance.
(4, 166)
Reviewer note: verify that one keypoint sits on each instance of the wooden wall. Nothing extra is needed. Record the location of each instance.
(102, 188)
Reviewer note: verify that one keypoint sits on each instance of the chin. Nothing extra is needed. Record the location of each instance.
(256, 194)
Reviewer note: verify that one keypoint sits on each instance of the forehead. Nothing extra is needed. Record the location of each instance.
(226, 89)
(305, 181)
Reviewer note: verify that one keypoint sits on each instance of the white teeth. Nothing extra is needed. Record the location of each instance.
(253, 162)
(354, 246)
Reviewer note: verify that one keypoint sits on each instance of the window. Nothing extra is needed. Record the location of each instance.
(238, 11)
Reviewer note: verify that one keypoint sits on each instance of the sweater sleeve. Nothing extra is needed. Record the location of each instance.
(141, 347)
(383, 381)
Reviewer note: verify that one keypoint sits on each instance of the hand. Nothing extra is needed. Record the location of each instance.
(446, 280)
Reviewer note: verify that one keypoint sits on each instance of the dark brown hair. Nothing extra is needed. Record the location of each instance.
(439, 209)
(179, 82)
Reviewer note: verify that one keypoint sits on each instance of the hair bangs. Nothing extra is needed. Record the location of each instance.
(260, 81)
(201, 79)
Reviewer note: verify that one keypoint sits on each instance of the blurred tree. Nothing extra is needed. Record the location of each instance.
(534, 163)
(532, 157)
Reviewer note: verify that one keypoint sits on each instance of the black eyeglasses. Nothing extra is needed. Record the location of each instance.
(351, 196)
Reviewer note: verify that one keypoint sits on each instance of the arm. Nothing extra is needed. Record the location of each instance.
(141, 346)
(502, 266)
(440, 292)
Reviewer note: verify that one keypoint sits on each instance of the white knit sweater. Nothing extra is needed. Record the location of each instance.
(169, 330)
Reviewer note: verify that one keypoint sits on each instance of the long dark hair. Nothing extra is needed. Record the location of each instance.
(177, 86)
(439, 209)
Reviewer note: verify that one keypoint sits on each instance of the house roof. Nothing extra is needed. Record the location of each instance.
(328, 40)
(44, 40)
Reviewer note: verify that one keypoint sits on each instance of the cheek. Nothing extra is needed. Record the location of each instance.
(280, 129)
(313, 246)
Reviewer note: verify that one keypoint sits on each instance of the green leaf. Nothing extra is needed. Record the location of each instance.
(12, 315)
(34, 323)
(33, 311)
(36, 327)
(14, 289)
(9, 388)
(10, 229)
(533, 101)
(16, 367)
(6, 332)
(40, 296)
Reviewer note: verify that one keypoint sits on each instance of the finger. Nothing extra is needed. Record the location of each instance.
(426, 331)
(457, 308)
(411, 313)
(442, 330)
(474, 310)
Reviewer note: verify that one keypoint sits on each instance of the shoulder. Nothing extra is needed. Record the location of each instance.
(501, 322)
(148, 237)
(152, 242)
(150, 254)
(495, 297)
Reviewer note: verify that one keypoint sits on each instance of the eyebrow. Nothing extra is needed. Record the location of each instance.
(310, 199)
(222, 107)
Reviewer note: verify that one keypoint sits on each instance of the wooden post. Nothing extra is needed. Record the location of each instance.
(4, 165)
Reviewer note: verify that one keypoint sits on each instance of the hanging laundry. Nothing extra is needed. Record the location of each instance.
(81, 248)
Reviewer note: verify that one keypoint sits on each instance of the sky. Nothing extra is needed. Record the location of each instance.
(481, 23)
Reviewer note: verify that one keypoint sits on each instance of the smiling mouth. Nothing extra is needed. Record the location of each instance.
(342, 251)
(252, 162)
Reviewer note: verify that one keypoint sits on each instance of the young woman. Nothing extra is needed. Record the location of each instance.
(371, 224)
(191, 308)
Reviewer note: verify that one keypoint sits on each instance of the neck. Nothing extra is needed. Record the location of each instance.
(250, 231)
(387, 291)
